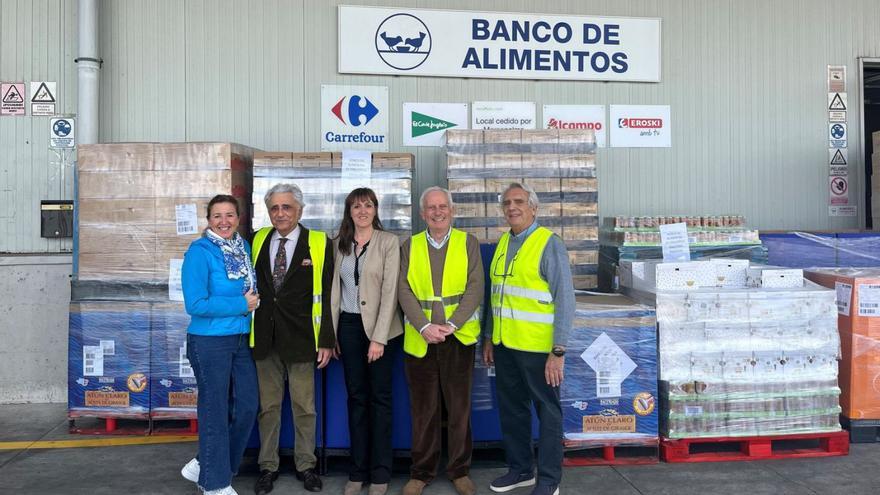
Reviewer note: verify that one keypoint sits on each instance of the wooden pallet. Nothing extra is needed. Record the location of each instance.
(754, 448)
(862, 430)
(167, 425)
(611, 453)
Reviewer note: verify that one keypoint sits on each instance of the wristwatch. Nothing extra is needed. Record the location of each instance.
(558, 351)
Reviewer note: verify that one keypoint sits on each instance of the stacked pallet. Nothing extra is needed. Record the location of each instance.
(875, 179)
(560, 165)
(325, 184)
(742, 361)
(140, 205)
(610, 388)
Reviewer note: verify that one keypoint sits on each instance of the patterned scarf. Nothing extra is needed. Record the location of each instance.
(235, 259)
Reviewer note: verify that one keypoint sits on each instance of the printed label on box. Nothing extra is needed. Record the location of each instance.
(869, 300)
(187, 220)
(610, 424)
(95, 398)
(182, 399)
(185, 370)
(610, 363)
(108, 347)
(844, 296)
(93, 360)
(693, 410)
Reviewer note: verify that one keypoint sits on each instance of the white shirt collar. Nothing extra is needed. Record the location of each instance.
(435, 244)
(292, 235)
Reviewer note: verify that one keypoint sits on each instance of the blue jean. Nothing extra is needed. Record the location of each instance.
(520, 382)
(227, 404)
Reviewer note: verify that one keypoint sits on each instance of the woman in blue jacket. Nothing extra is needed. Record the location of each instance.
(219, 289)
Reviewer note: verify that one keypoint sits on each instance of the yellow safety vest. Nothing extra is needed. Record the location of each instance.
(455, 270)
(522, 305)
(317, 246)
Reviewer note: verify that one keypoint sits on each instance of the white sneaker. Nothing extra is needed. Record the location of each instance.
(222, 491)
(191, 470)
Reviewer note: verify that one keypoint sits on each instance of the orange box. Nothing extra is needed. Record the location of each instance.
(858, 320)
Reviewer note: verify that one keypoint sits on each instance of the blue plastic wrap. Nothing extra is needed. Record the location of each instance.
(610, 388)
(109, 360)
(173, 388)
(808, 250)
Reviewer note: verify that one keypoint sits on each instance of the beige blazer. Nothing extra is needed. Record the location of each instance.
(378, 288)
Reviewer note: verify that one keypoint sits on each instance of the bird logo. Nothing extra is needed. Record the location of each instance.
(403, 41)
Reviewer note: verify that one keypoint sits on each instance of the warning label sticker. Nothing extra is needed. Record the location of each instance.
(12, 98)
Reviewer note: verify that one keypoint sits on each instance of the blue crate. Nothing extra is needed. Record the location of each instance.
(110, 383)
(336, 419)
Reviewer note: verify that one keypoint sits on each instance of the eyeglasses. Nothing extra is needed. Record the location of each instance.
(498, 261)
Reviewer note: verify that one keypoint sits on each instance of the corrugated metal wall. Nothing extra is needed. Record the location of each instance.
(37, 43)
(745, 79)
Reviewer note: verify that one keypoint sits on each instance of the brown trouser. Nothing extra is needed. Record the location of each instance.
(301, 383)
(445, 373)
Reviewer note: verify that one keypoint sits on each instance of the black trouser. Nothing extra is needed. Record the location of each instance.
(520, 383)
(369, 401)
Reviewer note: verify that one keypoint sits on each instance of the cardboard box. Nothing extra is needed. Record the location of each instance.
(308, 160)
(858, 320)
(579, 184)
(578, 209)
(478, 232)
(577, 161)
(774, 277)
(730, 272)
(504, 161)
(470, 210)
(580, 233)
(576, 257)
(464, 137)
(685, 276)
(457, 161)
(115, 156)
(543, 185)
(393, 160)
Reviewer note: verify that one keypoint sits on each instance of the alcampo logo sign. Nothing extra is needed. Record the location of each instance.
(561, 124)
(425, 124)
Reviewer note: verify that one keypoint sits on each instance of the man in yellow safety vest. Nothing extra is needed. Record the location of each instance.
(532, 311)
(292, 330)
(440, 291)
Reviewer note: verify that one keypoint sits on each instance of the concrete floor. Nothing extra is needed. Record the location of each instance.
(154, 469)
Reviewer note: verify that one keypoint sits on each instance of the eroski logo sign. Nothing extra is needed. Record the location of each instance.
(355, 110)
(638, 123)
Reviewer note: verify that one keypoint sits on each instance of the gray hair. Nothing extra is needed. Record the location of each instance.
(282, 188)
(431, 189)
(533, 196)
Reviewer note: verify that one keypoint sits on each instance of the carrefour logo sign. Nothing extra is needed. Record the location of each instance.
(356, 109)
(354, 117)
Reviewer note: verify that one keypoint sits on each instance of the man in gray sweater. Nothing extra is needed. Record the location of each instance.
(532, 311)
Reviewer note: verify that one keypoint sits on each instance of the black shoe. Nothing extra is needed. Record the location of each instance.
(311, 480)
(264, 483)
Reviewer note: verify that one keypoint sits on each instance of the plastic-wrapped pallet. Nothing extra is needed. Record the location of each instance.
(831, 250)
(745, 362)
(324, 186)
(173, 388)
(109, 360)
(140, 205)
(610, 387)
(560, 165)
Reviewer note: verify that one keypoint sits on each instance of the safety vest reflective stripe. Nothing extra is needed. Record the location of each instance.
(516, 314)
(446, 301)
(511, 290)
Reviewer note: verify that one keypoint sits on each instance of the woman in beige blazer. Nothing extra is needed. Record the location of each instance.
(368, 329)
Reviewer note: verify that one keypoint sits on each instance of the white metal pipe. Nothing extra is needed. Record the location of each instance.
(88, 73)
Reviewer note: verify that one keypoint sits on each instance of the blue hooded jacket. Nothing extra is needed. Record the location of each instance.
(215, 303)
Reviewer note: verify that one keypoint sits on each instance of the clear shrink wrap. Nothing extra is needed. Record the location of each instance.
(324, 187)
(560, 165)
(135, 204)
(744, 362)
